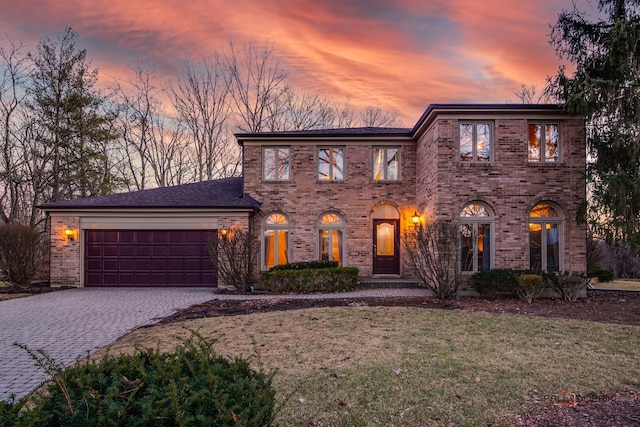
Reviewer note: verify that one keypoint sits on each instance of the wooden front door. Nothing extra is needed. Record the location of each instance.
(386, 246)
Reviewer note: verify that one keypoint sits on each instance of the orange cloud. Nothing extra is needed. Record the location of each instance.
(399, 55)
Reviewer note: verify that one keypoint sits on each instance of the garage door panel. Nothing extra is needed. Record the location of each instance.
(148, 258)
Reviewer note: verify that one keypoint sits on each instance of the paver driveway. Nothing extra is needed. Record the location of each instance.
(73, 323)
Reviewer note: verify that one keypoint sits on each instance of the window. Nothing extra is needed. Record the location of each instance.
(330, 238)
(331, 164)
(475, 142)
(386, 164)
(476, 223)
(544, 237)
(544, 142)
(275, 240)
(276, 164)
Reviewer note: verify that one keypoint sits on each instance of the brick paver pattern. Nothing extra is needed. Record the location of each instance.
(73, 323)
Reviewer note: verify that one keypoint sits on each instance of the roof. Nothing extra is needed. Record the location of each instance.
(219, 193)
(401, 133)
(332, 132)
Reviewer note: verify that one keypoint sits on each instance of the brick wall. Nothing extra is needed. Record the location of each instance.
(510, 185)
(303, 199)
(65, 253)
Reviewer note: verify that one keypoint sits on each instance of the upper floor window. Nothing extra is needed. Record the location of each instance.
(330, 238)
(545, 237)
(386, 164)
(476, 223)
(475, 142)
(275, 242)
(544, 144)
(331, 164)
(276, 164)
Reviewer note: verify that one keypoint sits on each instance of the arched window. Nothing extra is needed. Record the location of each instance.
(331, 238)
(275, 229)
(476, 223)
(545, 237)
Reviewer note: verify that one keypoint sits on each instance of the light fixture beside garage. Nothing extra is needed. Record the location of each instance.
(223, 233)
(71, 234)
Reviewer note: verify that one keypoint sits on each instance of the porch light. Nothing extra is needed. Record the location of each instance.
(70, 234)
(415, 218)
(223, 233)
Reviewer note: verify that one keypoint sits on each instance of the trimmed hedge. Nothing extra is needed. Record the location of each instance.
(310, 280)
(305, 265)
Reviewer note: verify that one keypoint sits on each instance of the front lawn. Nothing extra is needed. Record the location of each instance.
(363, 366)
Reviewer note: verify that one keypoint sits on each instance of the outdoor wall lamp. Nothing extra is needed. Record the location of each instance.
(70, 234)
(415, 218)
(223, 233)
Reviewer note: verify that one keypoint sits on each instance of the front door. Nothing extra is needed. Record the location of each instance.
(386, 246)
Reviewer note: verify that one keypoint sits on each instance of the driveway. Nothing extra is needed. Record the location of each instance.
(73, 323)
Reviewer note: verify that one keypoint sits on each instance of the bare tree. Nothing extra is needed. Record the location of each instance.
(528, 94)
(200, 97)
(432, 252)
(13, 73)
(377, 117)
(256, 78)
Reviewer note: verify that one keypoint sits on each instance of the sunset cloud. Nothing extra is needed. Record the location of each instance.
(399, 55)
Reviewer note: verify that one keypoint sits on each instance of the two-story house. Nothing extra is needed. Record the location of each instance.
(513, 175)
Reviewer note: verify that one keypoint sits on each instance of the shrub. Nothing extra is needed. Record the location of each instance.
(234, 255)
(602, 274)
(22, 249)
(496, 281)
(310, 280)
(191, 386)
(566, 284)
(305, 265)
(432, 253)
(530, 286)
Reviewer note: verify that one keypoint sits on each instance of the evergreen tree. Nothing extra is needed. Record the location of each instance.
(73, 128)
(605, 88)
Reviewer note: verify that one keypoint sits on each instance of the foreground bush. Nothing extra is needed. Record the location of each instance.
(22, 249)
(496, 281)
(530, 286)
(191, 386)
(310, 280)
(567, 285)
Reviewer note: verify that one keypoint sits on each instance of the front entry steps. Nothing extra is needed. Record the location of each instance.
(387, 283)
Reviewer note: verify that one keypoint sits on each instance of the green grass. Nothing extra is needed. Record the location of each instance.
(365, 366)
(629, 285)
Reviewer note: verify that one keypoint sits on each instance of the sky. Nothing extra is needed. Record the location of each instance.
(399, 55)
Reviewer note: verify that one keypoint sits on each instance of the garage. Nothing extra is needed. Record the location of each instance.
(148, 258)
(149, 238)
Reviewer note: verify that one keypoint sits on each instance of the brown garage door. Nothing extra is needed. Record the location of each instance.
(148, 258)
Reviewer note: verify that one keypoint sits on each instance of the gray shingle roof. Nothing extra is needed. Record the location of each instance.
(220, 193)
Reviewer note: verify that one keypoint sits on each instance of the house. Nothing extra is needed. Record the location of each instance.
(512, 174)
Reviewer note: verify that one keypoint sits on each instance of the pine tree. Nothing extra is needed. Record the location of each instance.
(605, 88)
